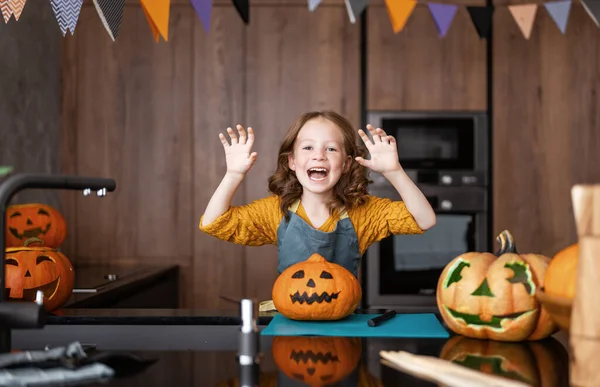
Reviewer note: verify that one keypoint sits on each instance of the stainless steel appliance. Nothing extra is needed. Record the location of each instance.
(446, 154)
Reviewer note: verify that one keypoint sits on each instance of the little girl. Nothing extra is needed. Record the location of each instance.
(320, 202)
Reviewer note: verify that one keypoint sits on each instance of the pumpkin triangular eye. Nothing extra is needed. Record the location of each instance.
(298, 274)
(326, 275)
(11, 261)
(42, 258)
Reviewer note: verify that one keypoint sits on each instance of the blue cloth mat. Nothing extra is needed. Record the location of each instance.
(355, 325)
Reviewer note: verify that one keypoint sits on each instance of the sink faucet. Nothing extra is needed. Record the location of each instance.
(14, 315)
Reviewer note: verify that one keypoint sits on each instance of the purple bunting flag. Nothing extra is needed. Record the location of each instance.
(442, 16)
(313, 4)
(559, 11)
(203, 9)
(67, 14)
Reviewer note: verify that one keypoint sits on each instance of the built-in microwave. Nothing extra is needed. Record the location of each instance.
(447, 155)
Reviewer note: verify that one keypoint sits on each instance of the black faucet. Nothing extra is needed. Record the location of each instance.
(20, 315)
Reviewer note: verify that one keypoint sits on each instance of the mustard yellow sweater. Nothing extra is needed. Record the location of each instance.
(256, 223)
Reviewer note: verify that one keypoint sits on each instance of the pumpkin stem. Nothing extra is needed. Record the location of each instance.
(507, 243)
(33, 240)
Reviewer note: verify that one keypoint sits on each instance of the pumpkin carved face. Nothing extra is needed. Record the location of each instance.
(34, 220)
(482, 295)
(537, 363)
(316, 290)
(316, 360)
(29, 269)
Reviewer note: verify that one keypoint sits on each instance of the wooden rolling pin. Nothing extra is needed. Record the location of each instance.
(443, 371)
(584, 335)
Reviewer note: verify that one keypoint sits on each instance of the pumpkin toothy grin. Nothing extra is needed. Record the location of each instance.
(30, 233)
(494, 322)
(48, 289)
(301, 356)
(317, 173)
(304, 297)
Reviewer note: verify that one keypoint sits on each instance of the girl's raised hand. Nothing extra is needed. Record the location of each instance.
(237, 154)
(383, 150)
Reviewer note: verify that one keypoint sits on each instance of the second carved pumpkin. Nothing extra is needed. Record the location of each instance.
(34, 220)
(487, 296)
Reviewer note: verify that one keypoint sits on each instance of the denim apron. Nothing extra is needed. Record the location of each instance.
(297, 241)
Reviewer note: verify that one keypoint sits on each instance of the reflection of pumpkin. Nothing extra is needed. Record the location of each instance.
(41, 221)
(482, 296)
(29, 269)
(561, 272)
(316, 289)
(538, 363)
(316, 360)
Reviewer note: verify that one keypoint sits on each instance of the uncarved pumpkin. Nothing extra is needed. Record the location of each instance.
(29, 269)
(36, 220)
(537, 363)
(562, 271)
(487, 296)
(316, 289)
(316, 360)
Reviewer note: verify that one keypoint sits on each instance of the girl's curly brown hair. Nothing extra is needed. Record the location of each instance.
(350, 190)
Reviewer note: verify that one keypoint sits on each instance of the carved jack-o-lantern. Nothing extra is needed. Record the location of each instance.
(316, 289)
(537, 363)
(34, 220)
(482, 295)
(315, 360)
(29, 269)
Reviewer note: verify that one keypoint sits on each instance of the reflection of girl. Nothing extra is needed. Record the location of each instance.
(320, 202)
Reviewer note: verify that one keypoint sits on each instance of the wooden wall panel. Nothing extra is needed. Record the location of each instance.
(545, 126)
(417, 70)
(296, 61)
(29, 97)
(133, 124)
(218, 102)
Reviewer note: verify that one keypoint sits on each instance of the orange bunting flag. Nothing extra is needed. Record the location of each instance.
(524, 15)
(6, 10)
(157, 14)
(16, 7)
(399, 11)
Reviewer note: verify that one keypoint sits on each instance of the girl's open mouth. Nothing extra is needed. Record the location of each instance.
(317, 174)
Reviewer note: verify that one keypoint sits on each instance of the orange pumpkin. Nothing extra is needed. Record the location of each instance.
(562, 271)
(29, 269)
(487, 296)
(537, 363)
(316, 289)
(41, 221)
(316, 360)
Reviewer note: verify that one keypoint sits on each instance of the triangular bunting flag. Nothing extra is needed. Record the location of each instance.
(524, 15)
(6, 10)
(559, 10)
(67, 14)
(399, 11)
(243, 9)
(313, 4)
(482, 19)
(592, 7)
(16, 7)
(355, 8)
(442, 16)
(157, 13)
(203, 9)
(111, 14)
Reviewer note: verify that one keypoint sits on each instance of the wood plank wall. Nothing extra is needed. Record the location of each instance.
(148, 115)
(29, 97)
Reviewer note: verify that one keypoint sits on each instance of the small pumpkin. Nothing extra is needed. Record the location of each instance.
(34, 220)
(33, 268)
(316, 289)
(487, 296)
(537, 363)
(316, 360)
(562, 271)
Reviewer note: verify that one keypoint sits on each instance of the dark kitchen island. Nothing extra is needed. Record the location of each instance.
(198, 348)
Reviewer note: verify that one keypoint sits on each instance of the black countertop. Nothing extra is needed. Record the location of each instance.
(198, 348)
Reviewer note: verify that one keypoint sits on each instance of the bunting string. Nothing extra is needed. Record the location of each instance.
(157, 13)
